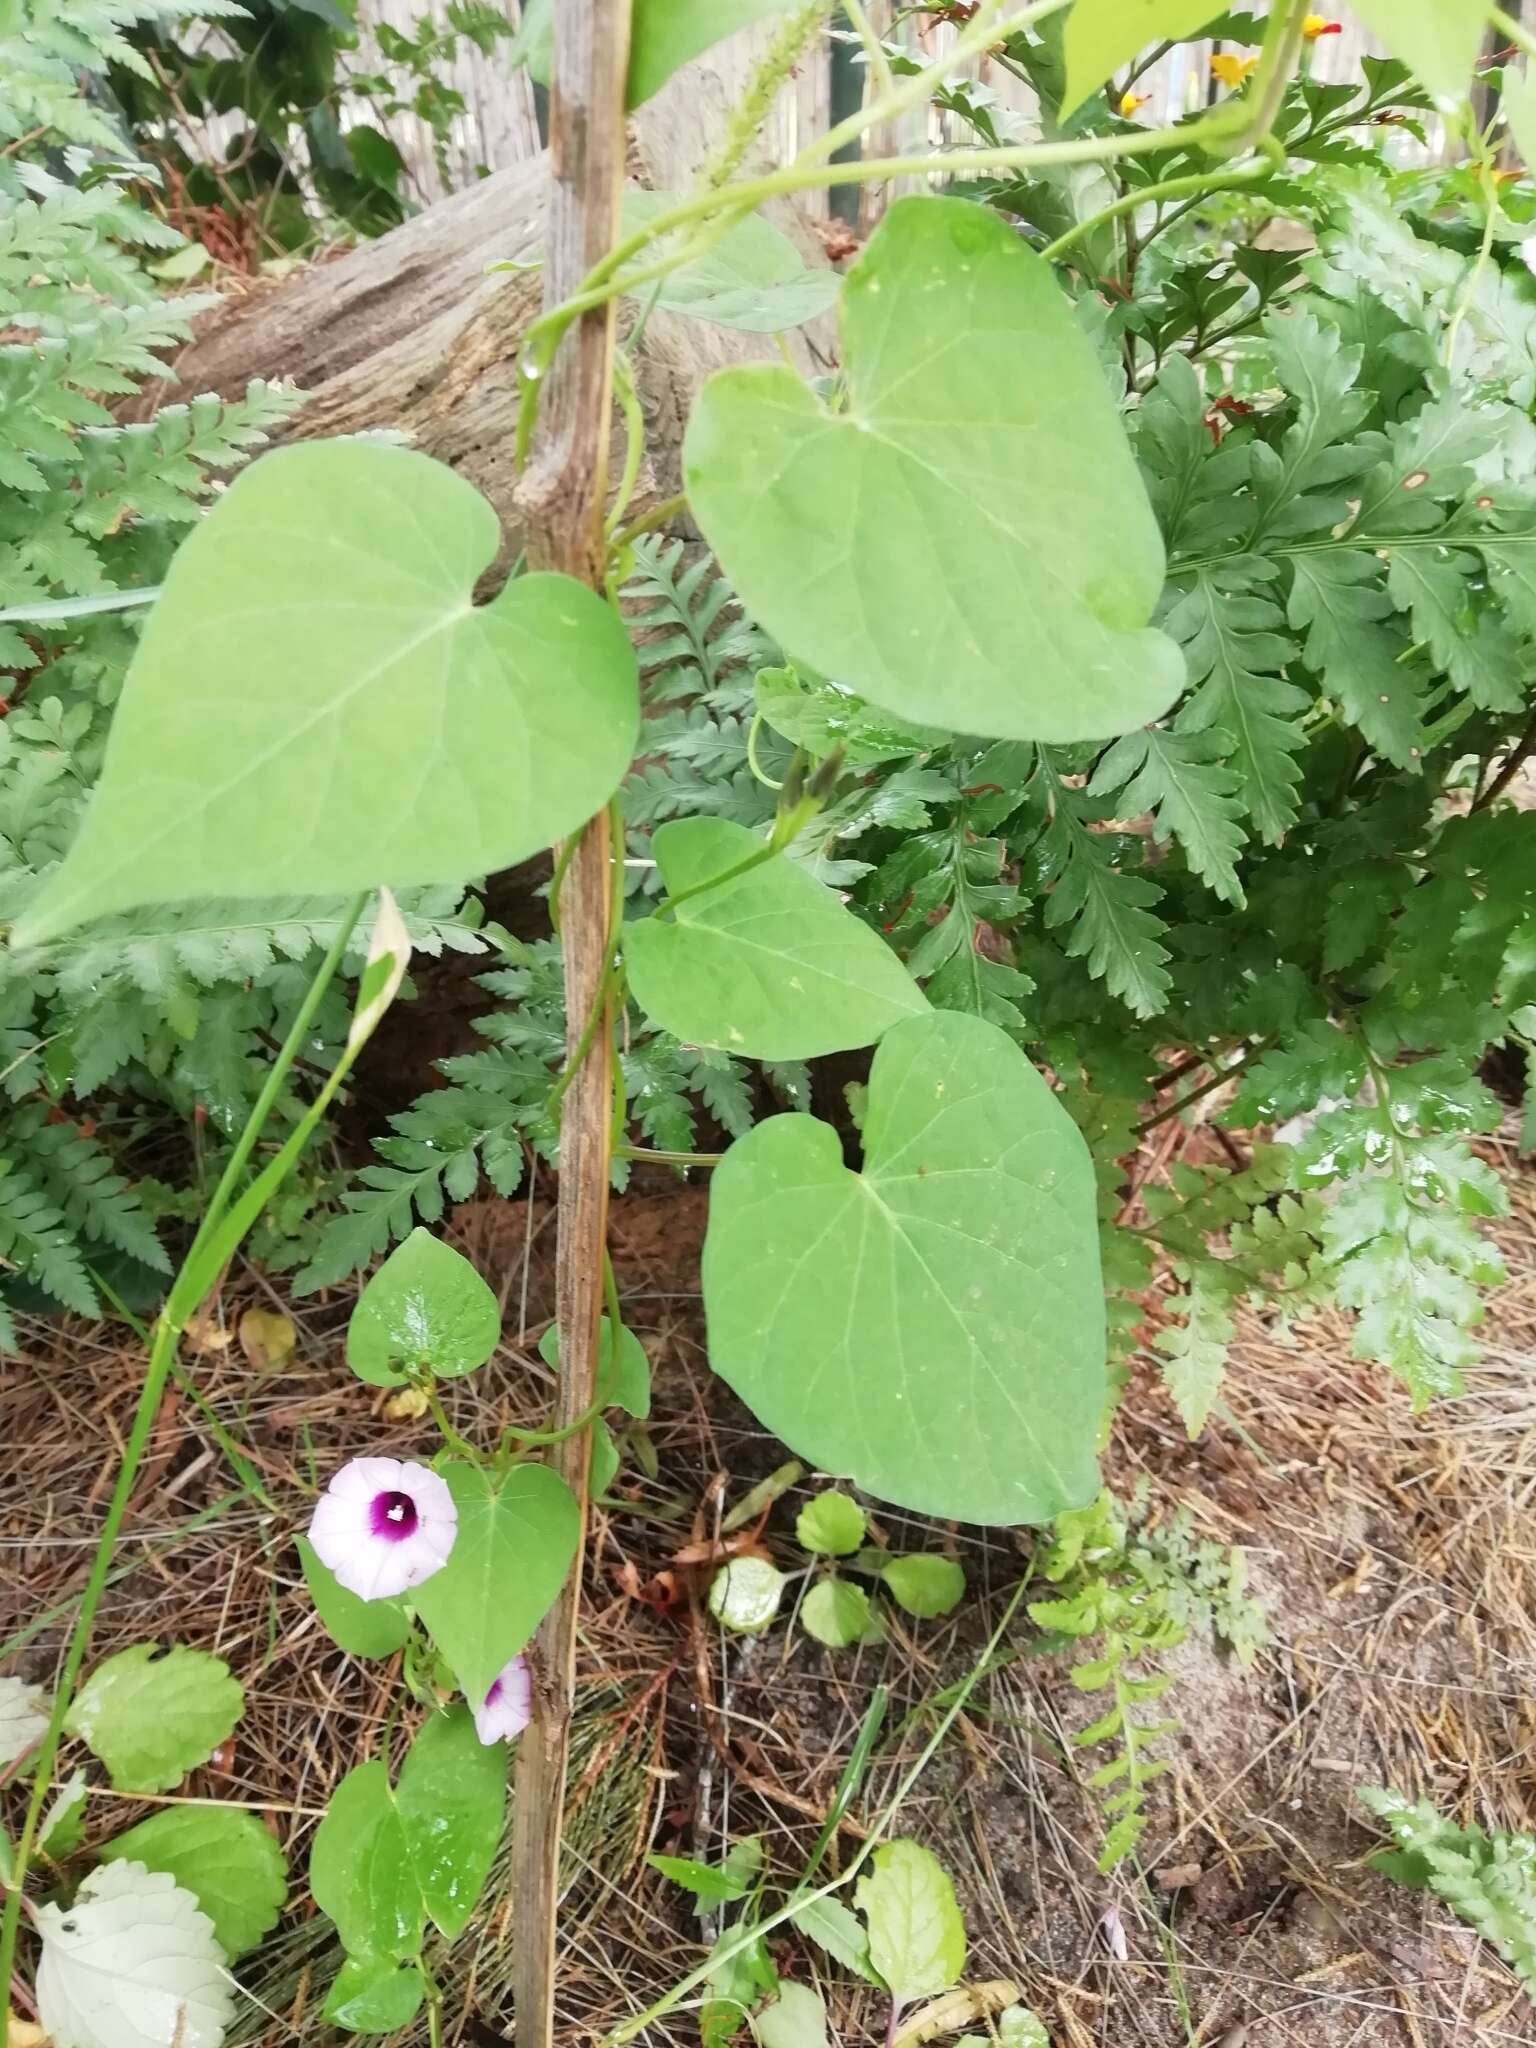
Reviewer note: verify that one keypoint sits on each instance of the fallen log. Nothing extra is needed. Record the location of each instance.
(412, 332)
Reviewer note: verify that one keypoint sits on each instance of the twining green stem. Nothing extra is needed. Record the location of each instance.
(1197, 184)
(747, 1937)
(753, 762)
(605, 281)
(1483, 157)
(634, 441)
(1277, 61)
(210, 1248)
(643, 1156)
(557, 881)
(874, 49)
(610, 993)
(434, 2004)
(788, 824)
(460, 1446)
(647, 522)
(555, 1436)
(1232, 128)
(584, 1044)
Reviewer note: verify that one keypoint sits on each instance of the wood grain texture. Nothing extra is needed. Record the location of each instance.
(416, 333)
(561, 499)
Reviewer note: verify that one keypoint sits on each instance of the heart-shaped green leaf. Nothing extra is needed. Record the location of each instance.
(664, 35)
(818, 715)
(768, 964)
(969, 543)
(623, 1375)
(752, 279)
(360, 1870)
(425, 1306)
(668, 34)
(318, 705)
(452, 1798)
(373, 1995)
(363, 1628)
(387, 1858)
(934, 1325)
(516, 1537)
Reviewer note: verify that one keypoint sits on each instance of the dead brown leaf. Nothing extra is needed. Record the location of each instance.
(963, 2006)
(267, 1338)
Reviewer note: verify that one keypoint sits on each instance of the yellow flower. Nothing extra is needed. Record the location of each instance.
(1317, 25)
(1230, 70)
(1130, 101)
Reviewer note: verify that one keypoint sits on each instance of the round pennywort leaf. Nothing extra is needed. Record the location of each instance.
(835, 1613)
(153, 1718)
(745, 1594)
(224, 1857)
(924, 1586)
(831, 1525)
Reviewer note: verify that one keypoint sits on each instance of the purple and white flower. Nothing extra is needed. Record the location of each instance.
(382, 1526)
(508, 1705)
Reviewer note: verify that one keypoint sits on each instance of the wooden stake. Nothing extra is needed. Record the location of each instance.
(562, 499)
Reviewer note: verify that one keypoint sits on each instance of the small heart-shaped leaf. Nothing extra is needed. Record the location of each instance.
(318, 705)
(425, 1306)
(969, 542)
(752, 279)
(516, 1537)
(664, 36)
(934, 1325)
(363, 1628)
(623, 1371)
(767, 964)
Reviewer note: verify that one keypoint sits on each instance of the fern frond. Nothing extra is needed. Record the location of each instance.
(37, 1242)
(77, 1174)
(1488, 1880)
